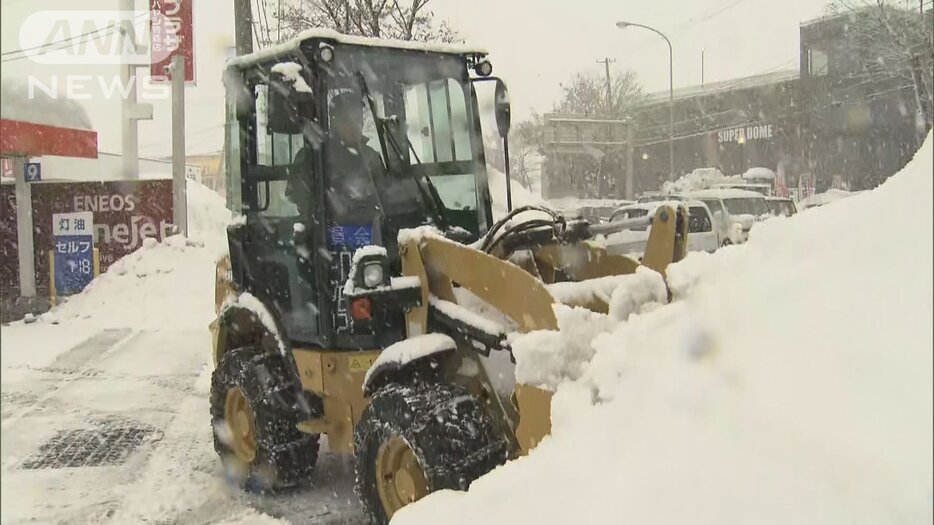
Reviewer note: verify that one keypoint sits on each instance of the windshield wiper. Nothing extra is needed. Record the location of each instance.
(431, 194)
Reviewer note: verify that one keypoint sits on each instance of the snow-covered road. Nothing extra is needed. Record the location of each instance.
(105, 402)
(110, 426)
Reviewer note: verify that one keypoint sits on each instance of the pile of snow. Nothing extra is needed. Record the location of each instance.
(759, 173)
(699, 179)
(145, 288)
(790, 381)
(520, 195)
(208, 216)
(827, 197)
(292, 72)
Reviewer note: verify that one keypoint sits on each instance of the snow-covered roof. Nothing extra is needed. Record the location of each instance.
(759, 173)
(567, 203)
(654, 205)
(725, 193)
(713, 88)
(39, 108)
(292, 45)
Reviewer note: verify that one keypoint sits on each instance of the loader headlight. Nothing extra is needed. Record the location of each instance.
(484, 69)
(373, 274)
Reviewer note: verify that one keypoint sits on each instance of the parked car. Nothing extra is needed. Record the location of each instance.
(593, 210)
(781, 206)
(734, 211)
(701, 233)
(831, 195)
(657, 197)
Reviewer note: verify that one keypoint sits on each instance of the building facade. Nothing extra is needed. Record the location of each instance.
(840, 120)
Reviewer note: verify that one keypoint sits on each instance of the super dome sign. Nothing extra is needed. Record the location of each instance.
(745, 133)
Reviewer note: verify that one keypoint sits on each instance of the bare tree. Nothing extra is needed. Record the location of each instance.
(586, 95)
(895, 42)
(393, 19)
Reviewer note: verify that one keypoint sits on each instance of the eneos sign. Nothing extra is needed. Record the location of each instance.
(125, 213)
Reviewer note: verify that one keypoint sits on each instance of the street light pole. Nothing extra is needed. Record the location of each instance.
(671, 94)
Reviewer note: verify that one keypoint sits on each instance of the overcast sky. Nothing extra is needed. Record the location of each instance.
(534, 45)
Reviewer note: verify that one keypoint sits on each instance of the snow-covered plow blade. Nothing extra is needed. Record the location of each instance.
(513, 288)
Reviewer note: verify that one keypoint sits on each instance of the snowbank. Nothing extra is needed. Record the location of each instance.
(789, 382)
(520, 195)
(827, 197)
(699, 179)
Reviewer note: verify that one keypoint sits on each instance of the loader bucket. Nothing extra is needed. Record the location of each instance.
(521, 291)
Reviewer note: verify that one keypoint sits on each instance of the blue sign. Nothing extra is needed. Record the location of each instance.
(350, 236)
(33, 172)
(73, 248)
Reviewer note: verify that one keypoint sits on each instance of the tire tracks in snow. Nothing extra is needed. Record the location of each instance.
(80, 358)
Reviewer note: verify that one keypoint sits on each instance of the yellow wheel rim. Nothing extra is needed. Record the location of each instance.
(399, 478)
(239, 418)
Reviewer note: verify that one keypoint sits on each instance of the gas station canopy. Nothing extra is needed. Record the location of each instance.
(33, 124)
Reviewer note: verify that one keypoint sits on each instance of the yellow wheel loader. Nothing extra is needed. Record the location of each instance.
(366, 278)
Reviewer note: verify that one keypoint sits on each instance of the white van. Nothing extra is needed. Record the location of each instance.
(734, 211)
(701, 233)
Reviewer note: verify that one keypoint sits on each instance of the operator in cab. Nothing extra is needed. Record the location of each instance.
(354, 167)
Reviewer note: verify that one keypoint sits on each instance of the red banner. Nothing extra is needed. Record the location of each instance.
(171, 33)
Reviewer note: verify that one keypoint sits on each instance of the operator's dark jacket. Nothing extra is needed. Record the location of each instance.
(351, 195)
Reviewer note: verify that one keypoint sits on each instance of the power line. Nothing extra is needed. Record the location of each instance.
(703, 17)
(57, 45)
(47, 48)
(59, 42)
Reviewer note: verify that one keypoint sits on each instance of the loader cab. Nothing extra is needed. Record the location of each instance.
(335, 143)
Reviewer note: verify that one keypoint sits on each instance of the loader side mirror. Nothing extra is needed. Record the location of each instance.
(239, 94)
(286, 106)
(502, 108)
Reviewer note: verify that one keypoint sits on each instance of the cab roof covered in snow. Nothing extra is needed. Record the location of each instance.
(292, 45)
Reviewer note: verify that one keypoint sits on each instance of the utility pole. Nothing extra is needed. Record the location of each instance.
(130, 111)
(24, 229)
(609, 85)
(179, 177)
(602, 185)
(630, 151)
(671, 93)
(243, 26)
(702, 52)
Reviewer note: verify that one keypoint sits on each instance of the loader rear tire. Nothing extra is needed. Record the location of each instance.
(414, 440)
(254, 430)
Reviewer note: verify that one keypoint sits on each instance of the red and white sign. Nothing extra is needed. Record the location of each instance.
(28, 139)
(171, 33)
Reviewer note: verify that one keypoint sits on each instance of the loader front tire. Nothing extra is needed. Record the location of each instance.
(414, 440)
(254, 430)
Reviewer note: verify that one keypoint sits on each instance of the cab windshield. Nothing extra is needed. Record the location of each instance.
(418, 122)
